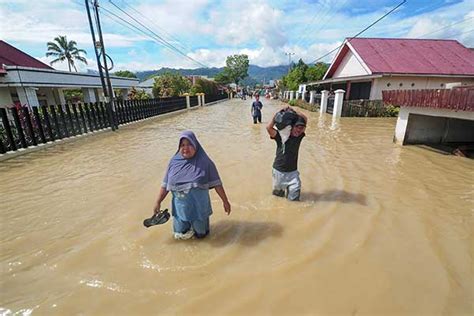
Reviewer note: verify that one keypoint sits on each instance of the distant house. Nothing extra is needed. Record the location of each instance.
(364, 67)
(26, 80)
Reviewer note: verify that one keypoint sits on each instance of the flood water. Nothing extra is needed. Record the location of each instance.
(380, 229)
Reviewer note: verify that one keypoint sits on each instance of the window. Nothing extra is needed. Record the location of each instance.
(389, 84)
(401, 84)
(412, 84)
(441, 85)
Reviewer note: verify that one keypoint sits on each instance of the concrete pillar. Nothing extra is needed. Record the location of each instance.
(99, 95)
(62, 99)
(199, 99)
(188, 101)
(5, 97)
(89, 95)
(297, 95)
(292, 95)
(312, 95)
(124, 93)
(27, 96)
(324, 101)
(303, 95)
(203, 99)
(401, 127)
(338, 99)
(50, 96)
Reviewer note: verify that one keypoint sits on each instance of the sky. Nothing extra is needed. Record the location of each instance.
(209, 31)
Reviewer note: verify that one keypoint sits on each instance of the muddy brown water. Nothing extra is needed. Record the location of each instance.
(380, 229)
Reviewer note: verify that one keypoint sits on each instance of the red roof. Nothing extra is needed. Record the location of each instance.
(12, 56)
(411, 56)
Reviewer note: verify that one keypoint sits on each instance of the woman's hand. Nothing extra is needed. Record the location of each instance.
(227, 207)
(157, 208)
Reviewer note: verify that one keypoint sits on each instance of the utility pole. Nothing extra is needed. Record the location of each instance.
(289, 60)
(99, 49)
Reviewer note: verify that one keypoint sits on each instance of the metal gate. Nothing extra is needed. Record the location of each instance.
(330, 106)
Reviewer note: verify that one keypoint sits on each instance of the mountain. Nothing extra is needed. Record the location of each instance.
(257, 74)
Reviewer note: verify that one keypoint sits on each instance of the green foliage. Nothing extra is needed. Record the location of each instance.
(222, 78)
(204, 86)
(138, 94)
(73, 95)
(65, 50)
(125, 73)
(391, 111)
(316, 72)
(170, 85)
(292, 102)
(236, 68)
(302, 73)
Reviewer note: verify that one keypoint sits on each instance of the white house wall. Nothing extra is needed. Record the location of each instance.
(350, 66)
(49, 78)
(411, 83)
(5, 97)
(405, 112)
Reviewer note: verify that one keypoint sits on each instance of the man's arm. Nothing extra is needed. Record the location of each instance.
(271, 131)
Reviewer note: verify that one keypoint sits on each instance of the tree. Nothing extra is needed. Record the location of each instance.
(138, 94)
(205, 86)
(236, 68)
(316, 72)
(64, 50)
(125, 73)
(170, 85)
(222, 78)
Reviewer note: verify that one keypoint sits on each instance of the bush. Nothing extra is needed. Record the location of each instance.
(170, 85)
(391, 111)
(204, 86)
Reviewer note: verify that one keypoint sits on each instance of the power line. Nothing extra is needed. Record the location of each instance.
(445, 27)
(171, 36)
(158, 36)
(368, 27)
(165, 42)
(155, 37)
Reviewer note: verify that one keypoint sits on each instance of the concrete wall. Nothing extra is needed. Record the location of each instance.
(350, 66)
(428, 125)
(410, 83)
(5, 97)
(62, 79)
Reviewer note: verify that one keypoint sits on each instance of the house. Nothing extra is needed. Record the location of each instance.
(364, 67)
(440, 117)
(26, 80)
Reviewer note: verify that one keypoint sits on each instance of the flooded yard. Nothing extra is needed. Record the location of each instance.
(381, 229)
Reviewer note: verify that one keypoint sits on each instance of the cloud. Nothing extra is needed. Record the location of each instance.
(209, 30)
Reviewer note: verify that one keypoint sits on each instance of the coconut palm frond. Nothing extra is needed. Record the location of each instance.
(57, 60)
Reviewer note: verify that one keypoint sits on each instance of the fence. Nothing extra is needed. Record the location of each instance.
(330, 105)
(215, 97)
(26, 127)
(193, 101)
(366, 108)
(461, 98)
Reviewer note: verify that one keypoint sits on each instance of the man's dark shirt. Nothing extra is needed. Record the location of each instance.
(256, 108)
(287, 161)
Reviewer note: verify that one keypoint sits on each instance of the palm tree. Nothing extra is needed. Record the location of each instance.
(64, 50)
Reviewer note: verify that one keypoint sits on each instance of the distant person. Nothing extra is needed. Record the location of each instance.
(285, 175)
(190, 176)
(256, 110)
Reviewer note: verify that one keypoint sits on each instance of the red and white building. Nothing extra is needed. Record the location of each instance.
(26, 80)
(364, 67)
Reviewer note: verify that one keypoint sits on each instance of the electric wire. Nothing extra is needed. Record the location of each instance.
(365, 29)
(162, 40)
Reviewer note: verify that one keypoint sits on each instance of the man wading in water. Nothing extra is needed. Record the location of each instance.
(286, 178)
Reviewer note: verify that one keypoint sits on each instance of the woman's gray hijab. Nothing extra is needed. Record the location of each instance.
(196, 172)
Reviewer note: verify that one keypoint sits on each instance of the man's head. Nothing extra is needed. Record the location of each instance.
(299, 127)
(257, 97)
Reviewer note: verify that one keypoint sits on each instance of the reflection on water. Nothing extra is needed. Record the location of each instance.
(380, 229)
